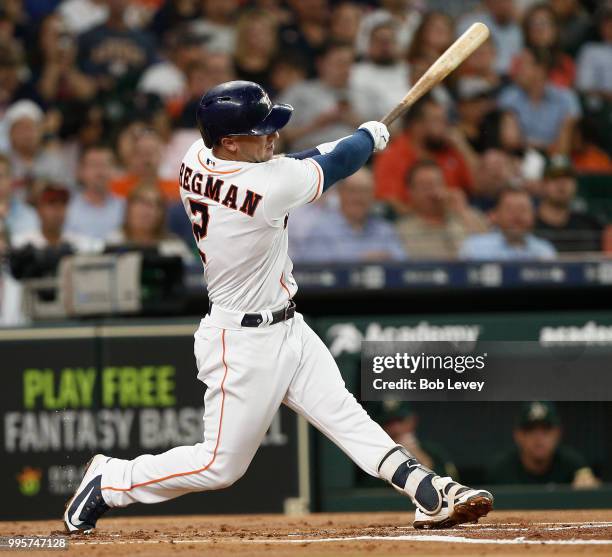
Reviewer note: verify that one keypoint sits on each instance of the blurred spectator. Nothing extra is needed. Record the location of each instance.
(454, 9)
(125, 145)
(433, 36)
(514, 218)
(11, 294)
(574, 24)
(178, 223)
(167, 78)
(144, 225)
(405, 15)
(114, 54)
(142, 167)
(325, 112)
(400, 421)
(501, 18)
(587, 156)
(173, 14)
(90, 129)
(595, 59)
(547, 113)
(24, 123)
(426, 135)
(51, 200)
(16, 216)
(11, 85)
(480, 68)
(345, 22)
(214, 68)
(440, 219)
(568, 230)
(496, 171)
(306, 34)
(276, 8)
(305, 219)
(82, 15)
(57, 78)
(475, 99)
(256, 45)
(16, 18)
(382, 78)
(94, 211)
(541, 32)
(286, 71)
(440, 93)
(351, 233)
(217, 22)
(501, 130)
(538, 457)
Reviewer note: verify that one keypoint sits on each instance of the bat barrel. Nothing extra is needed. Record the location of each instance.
(454, 55)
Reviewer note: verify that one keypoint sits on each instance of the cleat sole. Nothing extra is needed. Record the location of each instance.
(469, 511)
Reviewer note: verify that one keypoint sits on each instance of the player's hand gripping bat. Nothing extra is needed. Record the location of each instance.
(454, 55)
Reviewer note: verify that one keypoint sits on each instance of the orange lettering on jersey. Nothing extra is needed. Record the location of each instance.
(251, 200)
(230, 197)
(213, 188)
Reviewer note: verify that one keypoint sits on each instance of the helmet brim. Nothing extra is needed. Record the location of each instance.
(278, 118)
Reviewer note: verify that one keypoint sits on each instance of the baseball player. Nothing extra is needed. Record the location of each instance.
(253, 351)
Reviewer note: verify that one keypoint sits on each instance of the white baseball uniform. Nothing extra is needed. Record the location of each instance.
(239, 214)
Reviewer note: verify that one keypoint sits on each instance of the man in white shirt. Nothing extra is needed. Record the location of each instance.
(382, 79)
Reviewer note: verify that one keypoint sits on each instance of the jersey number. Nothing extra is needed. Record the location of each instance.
(199, 230)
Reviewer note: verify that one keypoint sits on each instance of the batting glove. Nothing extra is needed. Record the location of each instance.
(379, 133)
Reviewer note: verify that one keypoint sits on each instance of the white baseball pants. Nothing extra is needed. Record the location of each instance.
(249, 372)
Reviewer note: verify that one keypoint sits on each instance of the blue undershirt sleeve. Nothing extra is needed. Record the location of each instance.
(348, 156)
(304, 154)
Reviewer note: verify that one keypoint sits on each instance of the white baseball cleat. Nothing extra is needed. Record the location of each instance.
(461, 504)
(87, 505)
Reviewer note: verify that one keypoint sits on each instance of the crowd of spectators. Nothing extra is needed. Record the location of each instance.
(97, 103)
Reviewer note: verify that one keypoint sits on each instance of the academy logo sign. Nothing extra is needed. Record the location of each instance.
(589, 333)
(347, 337)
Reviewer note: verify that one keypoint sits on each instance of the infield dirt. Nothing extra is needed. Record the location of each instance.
(317, 535)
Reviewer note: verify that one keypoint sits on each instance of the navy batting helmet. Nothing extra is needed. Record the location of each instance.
(239, 108)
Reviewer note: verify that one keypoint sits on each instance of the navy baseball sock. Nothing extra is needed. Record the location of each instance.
(406, 474)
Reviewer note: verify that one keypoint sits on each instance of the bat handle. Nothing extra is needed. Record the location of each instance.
(389, 118)
(401, 108)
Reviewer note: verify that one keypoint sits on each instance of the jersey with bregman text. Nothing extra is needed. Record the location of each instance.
(239, 212)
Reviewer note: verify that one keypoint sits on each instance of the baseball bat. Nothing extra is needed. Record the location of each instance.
(454, 55)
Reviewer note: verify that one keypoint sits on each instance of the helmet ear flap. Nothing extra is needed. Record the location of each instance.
(207, 139)
(206, 135)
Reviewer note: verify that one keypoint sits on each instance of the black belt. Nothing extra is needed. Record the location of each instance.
(256, 319)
